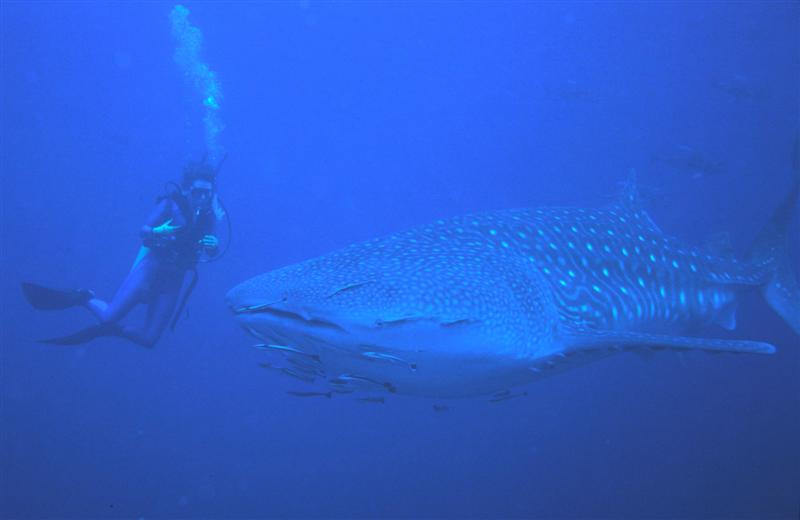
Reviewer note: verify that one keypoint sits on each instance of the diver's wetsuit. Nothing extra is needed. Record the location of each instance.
(157, 275)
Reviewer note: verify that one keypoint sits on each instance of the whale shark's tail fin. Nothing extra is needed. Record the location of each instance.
(781, 289)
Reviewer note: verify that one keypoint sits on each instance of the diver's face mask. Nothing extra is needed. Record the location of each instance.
(201, 193)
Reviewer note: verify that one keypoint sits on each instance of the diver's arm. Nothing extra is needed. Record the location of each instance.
(146, 232)
(156, 224)
(210, 242)
(155, 218)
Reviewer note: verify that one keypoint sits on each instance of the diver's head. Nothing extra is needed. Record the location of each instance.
(199, 184)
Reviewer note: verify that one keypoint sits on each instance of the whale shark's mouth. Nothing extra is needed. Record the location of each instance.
(270, 310)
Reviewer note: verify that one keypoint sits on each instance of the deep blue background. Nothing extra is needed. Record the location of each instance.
(347, 121)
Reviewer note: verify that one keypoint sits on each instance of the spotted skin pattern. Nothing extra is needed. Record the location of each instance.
(515, 285)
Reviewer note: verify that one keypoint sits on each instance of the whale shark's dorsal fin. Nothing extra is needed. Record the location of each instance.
(630, 201)
(629, 198)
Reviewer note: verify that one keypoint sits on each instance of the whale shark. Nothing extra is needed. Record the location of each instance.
(475, 305)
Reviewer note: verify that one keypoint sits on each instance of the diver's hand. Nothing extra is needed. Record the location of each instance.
(209, 242)
(166, 229)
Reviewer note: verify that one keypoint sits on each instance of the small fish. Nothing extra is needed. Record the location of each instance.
(298, 375)
(306, 377)
(286, 350)
(390, 358)
(686, 159)
(371, 399)
(440, 408)
(343, 390)
(506, 396)
(736, 86)
(350, 379)
(302, 365)
(309, 394)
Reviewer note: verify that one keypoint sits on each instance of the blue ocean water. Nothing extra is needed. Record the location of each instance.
(346, 121)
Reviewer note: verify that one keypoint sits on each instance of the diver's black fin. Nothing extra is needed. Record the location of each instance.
(86, 335)
(47, 299)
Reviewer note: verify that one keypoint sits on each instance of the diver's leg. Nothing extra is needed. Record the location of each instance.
(128, 295)
(161, 305)
(159, 311)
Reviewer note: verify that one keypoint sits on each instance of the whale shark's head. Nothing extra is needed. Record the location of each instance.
(429, 320)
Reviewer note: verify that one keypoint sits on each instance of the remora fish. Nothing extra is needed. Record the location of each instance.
(506, 396)
(371, 400)
(309, 394)
(687, 159)
(488, 301)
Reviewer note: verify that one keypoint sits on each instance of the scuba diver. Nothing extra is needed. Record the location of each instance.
(179, 233)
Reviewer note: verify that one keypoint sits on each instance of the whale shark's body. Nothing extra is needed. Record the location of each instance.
(474, 305)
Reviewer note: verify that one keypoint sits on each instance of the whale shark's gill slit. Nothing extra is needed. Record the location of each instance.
(349, 287)
(397, 322)
(459, 323)
(416, 319)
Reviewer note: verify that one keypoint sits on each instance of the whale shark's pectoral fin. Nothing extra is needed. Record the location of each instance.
(585, 339)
